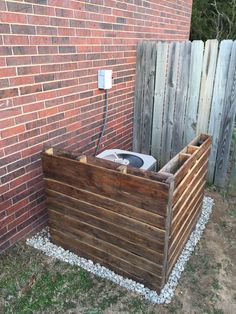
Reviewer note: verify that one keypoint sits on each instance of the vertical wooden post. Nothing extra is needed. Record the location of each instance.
(171, 182)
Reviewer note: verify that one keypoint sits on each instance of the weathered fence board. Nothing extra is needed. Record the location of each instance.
(139, 95)
(169, 104)
(218, 101)
(194, 92)
(159, 94)
(207, 84)
(149, 80)
(232, 178)
(181, 97)
(197, 49)
(227, 122)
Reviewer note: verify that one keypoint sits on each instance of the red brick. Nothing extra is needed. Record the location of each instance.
(21, 234)
(15, 40)
(6, 93)
(12, 131)
(16, 81)
(19, 7)
(33, 107)
(10, 17)
(28, 70)
(31, 89)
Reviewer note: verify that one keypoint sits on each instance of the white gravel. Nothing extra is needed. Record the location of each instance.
(42, 242)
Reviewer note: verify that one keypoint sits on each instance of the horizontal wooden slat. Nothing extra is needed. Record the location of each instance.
(190, 190)
(71, 242)
(181, 243)
(107, 203)
(191, 161)
(116, 229)
(178, 234)
(189, 176)
(112, 249)
(179, 220)
(107, 215)
(161, 177)
(179, 168)
(61, 221)
(136, 191)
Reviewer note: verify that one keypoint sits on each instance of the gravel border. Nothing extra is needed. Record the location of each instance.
(42, 242)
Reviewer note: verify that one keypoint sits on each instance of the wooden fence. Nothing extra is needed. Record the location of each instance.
(132, 221)
(183, 89)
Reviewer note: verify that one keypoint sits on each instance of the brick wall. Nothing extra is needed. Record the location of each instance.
(50, 51)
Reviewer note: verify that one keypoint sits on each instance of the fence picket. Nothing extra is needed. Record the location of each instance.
(181, 97)
(149, 81)
(227, 122)
(232, 179)
(169, 104)
(208, 75)
(159, 95)
(197, 49)
(218, 102)
(138, 101)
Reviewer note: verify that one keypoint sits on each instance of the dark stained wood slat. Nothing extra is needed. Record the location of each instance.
(187, 179)
(190, 189)
(118, 230)
(104, 214)
(104, 258)
(114, 250)
(142, 193)
(179, 232)
(60, 221)
(150, 175)
(182, 242)
(178, 221)
(107, 203)
(190, 162)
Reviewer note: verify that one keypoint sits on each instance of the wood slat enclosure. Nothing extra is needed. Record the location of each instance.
(132, 221)
(183, 89)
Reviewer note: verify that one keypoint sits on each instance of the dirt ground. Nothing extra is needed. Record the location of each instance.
(31, 282)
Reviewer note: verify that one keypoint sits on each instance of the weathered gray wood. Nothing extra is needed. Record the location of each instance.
(197, 49)
(227, 122)
(188, 97)
(138, 101)
(232, 179)
(208, 75)
(159, 95)
(169, 105)
(149, 80)
(218, 102)
(181, 97)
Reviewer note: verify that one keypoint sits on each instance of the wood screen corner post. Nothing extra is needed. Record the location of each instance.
(168, 229)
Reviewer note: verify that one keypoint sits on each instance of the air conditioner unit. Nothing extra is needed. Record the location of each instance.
(124, 157)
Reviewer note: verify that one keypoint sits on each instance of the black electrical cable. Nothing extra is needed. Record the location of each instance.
(104, 122)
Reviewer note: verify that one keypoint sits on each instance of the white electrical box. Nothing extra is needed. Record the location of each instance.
(104, 79)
